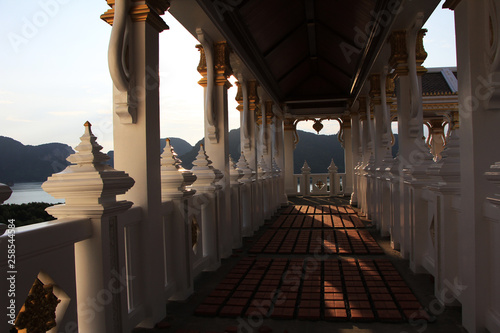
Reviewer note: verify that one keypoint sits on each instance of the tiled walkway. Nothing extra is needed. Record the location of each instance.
(316, 267)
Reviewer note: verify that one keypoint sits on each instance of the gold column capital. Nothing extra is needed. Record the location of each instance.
(239, 97)
(420, 53)
(375, 89)
(399, 56)
(142, 11)
(346, 121)
(269, 112)
(222, 64)
(202, 66)
(289, 124)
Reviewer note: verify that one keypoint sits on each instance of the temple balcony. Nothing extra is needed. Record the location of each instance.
(147, 238)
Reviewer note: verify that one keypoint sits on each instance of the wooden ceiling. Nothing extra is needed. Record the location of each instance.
(306, 53)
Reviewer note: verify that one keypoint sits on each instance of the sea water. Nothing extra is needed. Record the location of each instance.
(30, 192)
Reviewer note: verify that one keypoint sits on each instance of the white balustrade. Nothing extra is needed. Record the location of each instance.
(331, 183)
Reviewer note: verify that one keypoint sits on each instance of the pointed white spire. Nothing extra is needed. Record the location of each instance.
(275, 167)
(242, 165)
(88, 151)
(234, 173)
(207, 175)
(262, 168)
(332, 168)
(89, 186)
(175, 180)
(305, 168)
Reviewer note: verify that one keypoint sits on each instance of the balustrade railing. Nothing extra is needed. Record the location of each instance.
(97, 255)
(331, 183)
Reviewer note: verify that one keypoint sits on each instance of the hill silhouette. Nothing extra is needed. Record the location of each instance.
(26, 163)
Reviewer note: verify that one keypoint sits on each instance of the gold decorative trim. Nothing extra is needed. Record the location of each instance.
(399, 56)
(239, 97)
(222, 64)
(269, 112)
(289, 124)
(253, 98)
(149, 11)
(38, 313)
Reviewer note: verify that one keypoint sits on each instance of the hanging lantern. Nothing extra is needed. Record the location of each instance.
(318, 126)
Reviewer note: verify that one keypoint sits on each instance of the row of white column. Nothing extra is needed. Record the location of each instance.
(443, 217)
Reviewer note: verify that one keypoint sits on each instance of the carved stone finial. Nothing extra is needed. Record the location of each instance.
(234, 173)
(89, 186)
(248, 173)
(262, 168)
(275, 167)
(175, 180)
(207, 175)
(305, 168)
(332, 168)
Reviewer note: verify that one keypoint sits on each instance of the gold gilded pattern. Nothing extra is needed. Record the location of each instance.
(38, 313)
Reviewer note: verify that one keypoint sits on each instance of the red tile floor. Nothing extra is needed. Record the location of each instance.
(316, 287)
(314, 268)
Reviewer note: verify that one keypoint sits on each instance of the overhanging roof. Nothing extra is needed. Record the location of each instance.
(305, 53)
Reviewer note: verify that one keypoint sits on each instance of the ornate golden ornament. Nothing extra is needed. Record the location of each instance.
(253, 98)
(421, 54)
(319, 184)
(258, 114)
(346, 121)
(288, 124)
(202, 66)
(269, 112)
(399, 56)
(38, 313)
(222, 64)
(317, 126)
(149, 11)
(239, 97)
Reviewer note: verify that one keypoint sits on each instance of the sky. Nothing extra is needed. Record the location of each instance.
(54, 74)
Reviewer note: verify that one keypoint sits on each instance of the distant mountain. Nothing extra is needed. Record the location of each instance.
(25, 163)
(318, 150)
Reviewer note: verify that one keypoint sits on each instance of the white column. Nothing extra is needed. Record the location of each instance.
(477, 28)
(216, 127)
(279, 155)
(348, 157)
(413, 156)
(236, 215)
(136, 130)
(289, 146)
(356, 146)
(247, 210)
